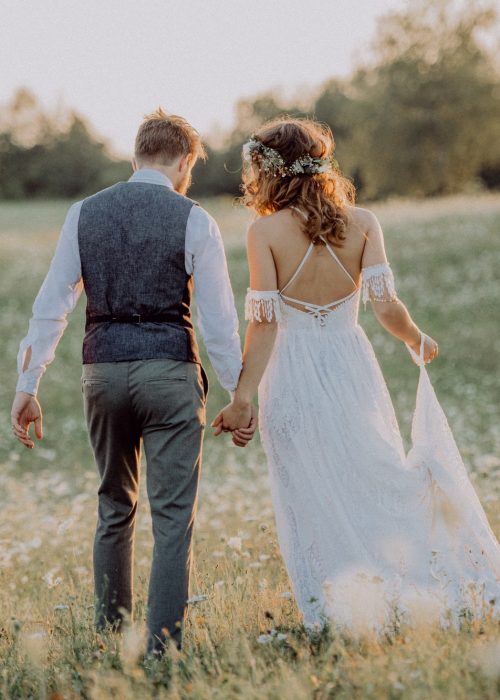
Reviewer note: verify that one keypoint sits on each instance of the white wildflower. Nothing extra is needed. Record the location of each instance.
(35, 646)
(272, 634)
(49, 455)
(234, 543)
(132, 644)
(487, 657)
(486, 462)
(65, 525)
(50, 580)
(197, 598)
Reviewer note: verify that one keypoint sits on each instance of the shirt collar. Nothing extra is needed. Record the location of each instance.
(154, 177)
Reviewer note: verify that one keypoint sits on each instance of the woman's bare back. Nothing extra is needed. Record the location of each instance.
(321, 280)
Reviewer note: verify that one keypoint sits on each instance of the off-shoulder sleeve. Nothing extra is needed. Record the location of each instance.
(378, 283)
(262, 305)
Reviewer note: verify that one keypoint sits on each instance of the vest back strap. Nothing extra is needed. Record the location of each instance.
(134, 318)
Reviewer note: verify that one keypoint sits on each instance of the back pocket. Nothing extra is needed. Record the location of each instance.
(166, 370)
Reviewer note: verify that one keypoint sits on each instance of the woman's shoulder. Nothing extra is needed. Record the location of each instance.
(361, 216)
(265, 226)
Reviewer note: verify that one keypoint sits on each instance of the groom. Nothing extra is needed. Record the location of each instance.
(137, 248)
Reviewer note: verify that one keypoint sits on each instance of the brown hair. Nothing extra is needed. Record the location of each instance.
(322, 196)
(164, 137)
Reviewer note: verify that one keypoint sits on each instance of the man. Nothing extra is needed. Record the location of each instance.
(137, 248)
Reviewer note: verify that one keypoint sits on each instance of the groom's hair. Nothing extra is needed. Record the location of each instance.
(163, 137)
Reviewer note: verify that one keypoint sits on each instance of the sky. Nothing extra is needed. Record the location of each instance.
(116, 60)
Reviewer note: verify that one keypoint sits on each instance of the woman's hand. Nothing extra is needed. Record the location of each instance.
(242, 436)
(235, 416)
(431, 349)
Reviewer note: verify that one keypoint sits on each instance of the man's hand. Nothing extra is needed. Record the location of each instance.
(26, 410)
(238, 418)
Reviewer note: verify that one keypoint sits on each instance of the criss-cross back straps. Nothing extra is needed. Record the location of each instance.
(299, 268)
(336, 257)
(306, 256)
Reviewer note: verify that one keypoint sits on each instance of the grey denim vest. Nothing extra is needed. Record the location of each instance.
(131, 238)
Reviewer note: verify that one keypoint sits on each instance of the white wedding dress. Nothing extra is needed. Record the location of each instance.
(369, 535)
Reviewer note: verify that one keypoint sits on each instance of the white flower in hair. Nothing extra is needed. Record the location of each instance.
(247, 149)
(271, 161)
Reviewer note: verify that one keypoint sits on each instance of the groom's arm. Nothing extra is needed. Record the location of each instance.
(56, 298)
(217, 317)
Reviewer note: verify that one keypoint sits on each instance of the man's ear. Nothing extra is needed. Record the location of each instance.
(185, 162)
(135, 166)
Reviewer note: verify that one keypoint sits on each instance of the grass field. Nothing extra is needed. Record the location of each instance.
(244, 638)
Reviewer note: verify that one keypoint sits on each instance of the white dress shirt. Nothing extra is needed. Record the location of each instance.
(205, 260)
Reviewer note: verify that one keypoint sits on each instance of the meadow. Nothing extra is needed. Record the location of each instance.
(244, 638)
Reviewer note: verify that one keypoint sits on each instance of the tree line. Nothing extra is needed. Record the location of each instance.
(420, 117)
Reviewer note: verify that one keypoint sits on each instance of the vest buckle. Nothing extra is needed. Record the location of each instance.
(136, 318)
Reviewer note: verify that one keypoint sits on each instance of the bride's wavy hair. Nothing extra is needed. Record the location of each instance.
(323, 196)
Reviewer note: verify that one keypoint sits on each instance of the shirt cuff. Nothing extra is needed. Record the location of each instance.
(27, 384)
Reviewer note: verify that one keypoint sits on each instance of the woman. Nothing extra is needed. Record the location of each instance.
(370, 536)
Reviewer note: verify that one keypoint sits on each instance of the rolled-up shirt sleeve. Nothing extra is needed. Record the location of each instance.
(217, 318)
(56, 298)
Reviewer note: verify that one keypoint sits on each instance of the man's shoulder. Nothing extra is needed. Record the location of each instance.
(111, 189)
(181, 198)
(202, 219)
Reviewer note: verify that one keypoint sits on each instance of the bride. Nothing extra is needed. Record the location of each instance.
(370, 536)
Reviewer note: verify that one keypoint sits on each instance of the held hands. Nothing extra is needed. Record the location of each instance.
(238, 418)
(26, 410)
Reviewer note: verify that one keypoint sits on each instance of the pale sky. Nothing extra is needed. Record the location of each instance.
(115, 60)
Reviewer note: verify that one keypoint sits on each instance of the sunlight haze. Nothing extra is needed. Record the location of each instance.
(114, 61)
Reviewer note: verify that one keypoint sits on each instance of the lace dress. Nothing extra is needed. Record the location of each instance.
(369, 535)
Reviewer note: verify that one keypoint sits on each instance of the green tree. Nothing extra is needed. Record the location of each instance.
(429, 103)
(47, 156)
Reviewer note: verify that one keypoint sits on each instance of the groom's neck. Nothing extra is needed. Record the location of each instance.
(167, 170)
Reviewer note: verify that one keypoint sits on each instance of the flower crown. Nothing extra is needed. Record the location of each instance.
(273, 164)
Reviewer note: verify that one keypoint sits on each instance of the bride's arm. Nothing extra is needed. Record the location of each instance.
(262, 310)
(378, 287)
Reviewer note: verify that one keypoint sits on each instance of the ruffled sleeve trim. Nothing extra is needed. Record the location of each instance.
(378, 283)
(260, 306)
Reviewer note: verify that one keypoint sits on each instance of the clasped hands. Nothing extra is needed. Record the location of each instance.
(238, 418)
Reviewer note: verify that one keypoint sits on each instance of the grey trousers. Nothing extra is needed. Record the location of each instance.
(160, 403)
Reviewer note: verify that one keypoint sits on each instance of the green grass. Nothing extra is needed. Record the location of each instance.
(447, 268)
